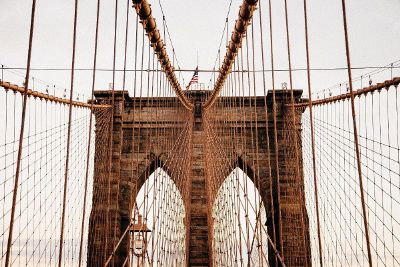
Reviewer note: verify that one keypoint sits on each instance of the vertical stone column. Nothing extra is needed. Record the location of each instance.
(291, 205)
(104, 199)
(97, 223)
(199, 245)
(140, 140)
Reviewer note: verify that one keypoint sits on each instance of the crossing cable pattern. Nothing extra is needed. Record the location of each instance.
(162, 137)
(341, 212)
(222, 250)
(289, 181)
(242, 144)
(39, 200)
(144, 11)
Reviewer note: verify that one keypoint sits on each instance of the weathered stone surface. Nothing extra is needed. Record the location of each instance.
(141, 135)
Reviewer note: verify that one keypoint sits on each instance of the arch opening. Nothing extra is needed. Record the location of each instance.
(159, 216)
(239, 216)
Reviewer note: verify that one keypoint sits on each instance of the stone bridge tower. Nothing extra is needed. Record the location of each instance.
(198, 216)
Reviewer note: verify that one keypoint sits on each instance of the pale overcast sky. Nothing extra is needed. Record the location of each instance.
(196, 26)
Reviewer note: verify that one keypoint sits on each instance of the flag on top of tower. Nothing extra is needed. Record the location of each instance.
(195, 77)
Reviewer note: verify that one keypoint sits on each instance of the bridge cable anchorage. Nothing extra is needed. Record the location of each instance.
(144, 11)
(245, 14)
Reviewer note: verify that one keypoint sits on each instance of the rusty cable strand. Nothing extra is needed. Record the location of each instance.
(60, 253)
(174, 57)
(101, 125)
(220, 43)
(244, 143)
(21, 138)
(296, 145)
(231, 152)
(235, 140)
(356, 143)
(252, 135)
(144, 11)
(111, 130)
(171, 158)
(156, 167)
(245, 14)
(213, 185)
(276, 147)
(240, 103)
(159, 130)
(222, 156)
(257, 172)
(174, 146)
(133, 125)
(102, 196)
(369, 89)
(267, 132)
(245, 185)
(237, 87)
(164, 164)
(136, 117)
(243, 118)
(240, 142)
(147, 173)
(148, 136)
(235, 157)
(117, 245)
(138, 141)
(89, 132)
(157, 83)
(122, 112)
(164, 190)
(212, 70)
(250, 152)
(42, 96)
(311, 126)
(230, 155)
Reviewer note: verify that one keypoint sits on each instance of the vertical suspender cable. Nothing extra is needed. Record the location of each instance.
(90, 132)
(267, 133)
(122, 121)
(21, 137)
(110, 140)
(357, 148)
(68, 136)
(276, 146)
(295, 138)
(310, 106)
(123, 104)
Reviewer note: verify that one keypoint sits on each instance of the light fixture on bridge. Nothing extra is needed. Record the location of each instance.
(139, 237)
